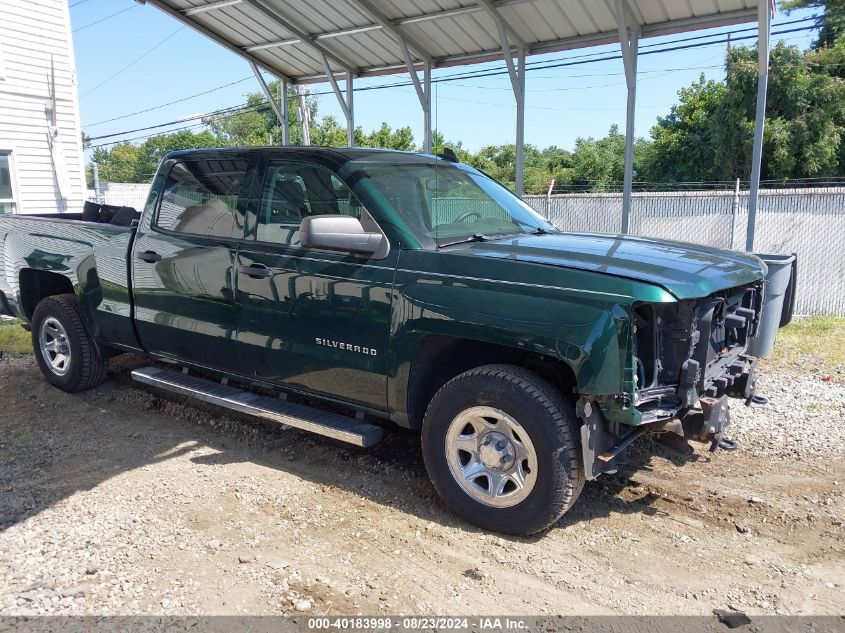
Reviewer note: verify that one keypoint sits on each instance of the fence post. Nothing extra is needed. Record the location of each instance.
(97, 195)
(549, 198)
(734, 211)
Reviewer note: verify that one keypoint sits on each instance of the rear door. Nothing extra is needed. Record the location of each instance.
(313, 320)
(183, 262)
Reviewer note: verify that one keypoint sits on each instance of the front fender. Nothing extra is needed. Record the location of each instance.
(577, 317)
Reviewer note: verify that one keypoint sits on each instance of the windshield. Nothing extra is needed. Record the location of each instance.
(443, 202)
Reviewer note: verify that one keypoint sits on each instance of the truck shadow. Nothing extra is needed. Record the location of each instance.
(118, 427)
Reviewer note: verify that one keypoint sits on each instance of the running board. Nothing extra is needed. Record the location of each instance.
(326, 423)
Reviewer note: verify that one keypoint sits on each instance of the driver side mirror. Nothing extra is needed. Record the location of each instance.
(339, 233)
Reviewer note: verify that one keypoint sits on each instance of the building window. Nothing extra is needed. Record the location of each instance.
(8, 204)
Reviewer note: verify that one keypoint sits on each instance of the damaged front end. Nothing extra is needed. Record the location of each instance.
(686, 359)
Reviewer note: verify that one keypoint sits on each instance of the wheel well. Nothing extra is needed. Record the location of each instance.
(438, 359)
(38, 284)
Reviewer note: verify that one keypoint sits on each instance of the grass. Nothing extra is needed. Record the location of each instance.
(14, 339)
(808, 341)
(812, 341)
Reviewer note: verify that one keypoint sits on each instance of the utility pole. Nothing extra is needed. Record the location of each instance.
(304, 115)
(97, 196)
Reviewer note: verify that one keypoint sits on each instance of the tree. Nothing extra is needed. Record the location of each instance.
(386, 137)
(126, 162)
(708, 136)
(118, 164)
(256, 123)
(831, 26)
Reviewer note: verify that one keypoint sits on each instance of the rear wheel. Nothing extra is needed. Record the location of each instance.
(501, 446)
(64, 349)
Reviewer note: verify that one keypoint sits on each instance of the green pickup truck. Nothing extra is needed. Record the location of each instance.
(342, 290)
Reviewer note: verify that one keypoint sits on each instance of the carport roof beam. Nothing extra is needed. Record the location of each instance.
(394, 29)
(163, 6)
(306, 39)
(493, 12)
(280, 115)
(211, 7)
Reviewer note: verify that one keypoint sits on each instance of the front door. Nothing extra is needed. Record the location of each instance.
(314, 320)
(183, 263)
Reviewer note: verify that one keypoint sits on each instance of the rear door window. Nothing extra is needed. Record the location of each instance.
(200, 197)
(294, 190)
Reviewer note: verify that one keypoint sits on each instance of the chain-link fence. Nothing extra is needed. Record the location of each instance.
(810, 222)
(807, 221)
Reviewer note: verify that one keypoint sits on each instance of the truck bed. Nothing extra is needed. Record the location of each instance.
(92, 255)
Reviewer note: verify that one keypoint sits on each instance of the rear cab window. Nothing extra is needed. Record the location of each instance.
(200, 197)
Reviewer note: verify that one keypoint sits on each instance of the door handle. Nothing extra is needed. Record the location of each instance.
(149, 257)
(256, 271)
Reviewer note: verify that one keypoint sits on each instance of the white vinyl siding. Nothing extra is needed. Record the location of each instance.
(36, 42)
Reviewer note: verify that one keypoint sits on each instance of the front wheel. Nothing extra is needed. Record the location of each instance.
(502, 447)
(64, 349)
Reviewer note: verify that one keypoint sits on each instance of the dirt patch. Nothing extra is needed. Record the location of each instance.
(120, 501)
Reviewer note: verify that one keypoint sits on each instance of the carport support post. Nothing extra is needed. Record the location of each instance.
(350, 114)
(283, 104)
(427, 109)
(520, 124)
(517, 76)
(423, 91)
(346, 104)
(281, 113)
(629, 36)
(764, 15)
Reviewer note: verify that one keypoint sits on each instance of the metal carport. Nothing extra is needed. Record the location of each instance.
(308, 41)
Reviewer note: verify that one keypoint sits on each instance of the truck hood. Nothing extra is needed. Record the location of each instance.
(686, 270)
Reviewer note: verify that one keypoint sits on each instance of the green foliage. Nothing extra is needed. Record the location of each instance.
(830, 23)
(683, 142)
(709, 134)
(14, 339)
(255, 124)
(137, 163)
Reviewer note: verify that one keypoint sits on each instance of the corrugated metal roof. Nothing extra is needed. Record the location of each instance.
(289, 37)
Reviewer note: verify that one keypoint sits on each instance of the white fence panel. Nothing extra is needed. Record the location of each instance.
(810, 222)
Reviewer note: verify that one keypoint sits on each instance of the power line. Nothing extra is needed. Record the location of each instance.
(77, 3)
(538, 65)
(130, 64)
(231, 110)
(103, 19)
(169, 103)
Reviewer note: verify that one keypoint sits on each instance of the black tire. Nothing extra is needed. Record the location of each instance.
(553, 429)
(85, 366)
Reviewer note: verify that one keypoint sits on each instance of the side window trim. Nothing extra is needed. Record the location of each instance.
(242, 204)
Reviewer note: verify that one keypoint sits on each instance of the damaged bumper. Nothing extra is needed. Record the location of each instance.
(687, 359)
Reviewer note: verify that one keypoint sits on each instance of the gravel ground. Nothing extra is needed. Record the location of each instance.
(118, 501)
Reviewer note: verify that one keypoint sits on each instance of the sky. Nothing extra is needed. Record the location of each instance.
(133, 57)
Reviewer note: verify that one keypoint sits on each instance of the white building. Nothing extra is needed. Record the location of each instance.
(42, 169)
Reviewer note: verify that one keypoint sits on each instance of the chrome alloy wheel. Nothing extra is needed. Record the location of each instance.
(54, 344)
(491, 457)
